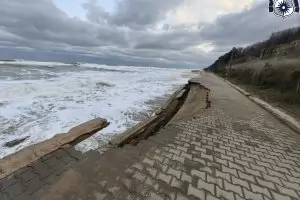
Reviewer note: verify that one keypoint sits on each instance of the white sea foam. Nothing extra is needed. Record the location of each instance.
(42, 108)
(34, 63)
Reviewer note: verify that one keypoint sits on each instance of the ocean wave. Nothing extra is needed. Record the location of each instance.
(28, 63)
(33, 63)
(41, 108)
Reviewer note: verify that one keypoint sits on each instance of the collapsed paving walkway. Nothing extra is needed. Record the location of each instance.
(233, 150)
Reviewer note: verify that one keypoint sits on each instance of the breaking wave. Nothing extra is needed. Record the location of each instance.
(42, 99)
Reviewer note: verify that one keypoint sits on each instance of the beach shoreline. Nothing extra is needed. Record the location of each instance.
(40, 100)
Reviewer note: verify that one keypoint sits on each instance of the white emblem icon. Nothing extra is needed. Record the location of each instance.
(283, 8)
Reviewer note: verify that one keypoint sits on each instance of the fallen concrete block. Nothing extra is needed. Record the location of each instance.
(32, 153)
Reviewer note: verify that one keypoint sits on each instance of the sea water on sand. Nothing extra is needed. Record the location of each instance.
(39, 100)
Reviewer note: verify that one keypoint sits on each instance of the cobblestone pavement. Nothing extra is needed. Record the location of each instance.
(26, 182)
(234, 150)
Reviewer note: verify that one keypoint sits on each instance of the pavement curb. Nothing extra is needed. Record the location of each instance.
(283, 117)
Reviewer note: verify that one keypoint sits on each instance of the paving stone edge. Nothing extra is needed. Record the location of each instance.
(282, 116)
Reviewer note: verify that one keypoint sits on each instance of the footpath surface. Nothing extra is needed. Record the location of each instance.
(233, 150)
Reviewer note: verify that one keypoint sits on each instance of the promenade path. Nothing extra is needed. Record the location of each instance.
(233, 150)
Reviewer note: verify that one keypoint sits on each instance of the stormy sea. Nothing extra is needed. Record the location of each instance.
(41, 99)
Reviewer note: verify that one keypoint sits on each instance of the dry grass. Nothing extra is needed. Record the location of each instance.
(273, 97)
(270, 80)
(258, 65)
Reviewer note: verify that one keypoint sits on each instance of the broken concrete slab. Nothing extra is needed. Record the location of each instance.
(151, 125)
(195, 102)
(32, 153)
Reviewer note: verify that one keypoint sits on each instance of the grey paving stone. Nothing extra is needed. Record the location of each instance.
(261, 190)
(154, 196)
(8, 181)
(34, 185)
(277, 196)
(234, 150)
(181, 196)
(152, 182)
(174, 172)
(196, 192)
(4, 196)
(215, 180)
(185, 177)
(42, 169)
(75, 154)
(220, 193)
(168, 193)
(206, 186)
(288, 192)
(59, 168)
(139, 176)
(251, 195)
(27, 175)
(23, 196)
(51, 179)
(148, 161)
(67, 159)
(60, 153)
(165, 178)
(200, 174)
(15, 190)
(52, 161)
(152, 171)
(46, 157)
(240, 182)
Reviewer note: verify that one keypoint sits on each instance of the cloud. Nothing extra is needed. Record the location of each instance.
(142, 13)
(246, 27)
(202, 11)
(136, 32)
(136, 14)
(41, 21)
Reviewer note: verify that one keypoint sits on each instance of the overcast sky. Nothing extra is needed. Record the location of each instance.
(171, 33)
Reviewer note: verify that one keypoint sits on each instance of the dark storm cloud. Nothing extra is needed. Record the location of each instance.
(40, 20)
(41, 25)
(246, 27)
(129, 35)
(135, 18)
(141, 13)
(132, 13)
(174, 38)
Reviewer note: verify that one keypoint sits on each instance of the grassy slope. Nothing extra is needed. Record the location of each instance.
(273, 97)
(275, 77)
(276, 88)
